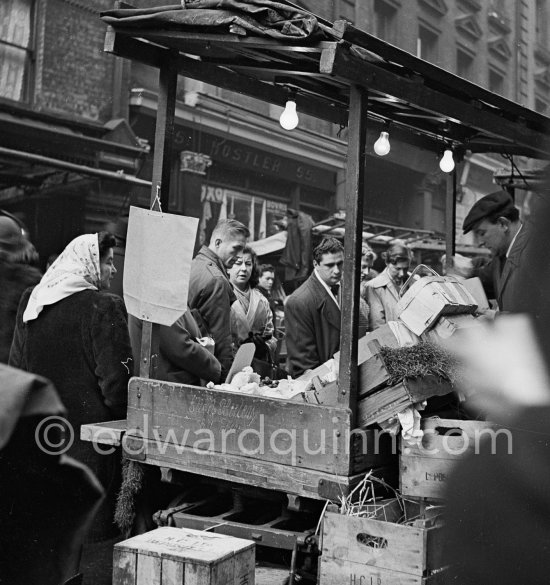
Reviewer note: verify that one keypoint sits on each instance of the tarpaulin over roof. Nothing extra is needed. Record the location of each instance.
(256, 17)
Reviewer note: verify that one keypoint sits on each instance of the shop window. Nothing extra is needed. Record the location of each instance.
(16, 55)
(257, 213)
(385, 21)
(464, 64)
(427, 45)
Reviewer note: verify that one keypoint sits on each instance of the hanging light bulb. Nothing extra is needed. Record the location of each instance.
(382, 145)
(447, 163)
(289, 117)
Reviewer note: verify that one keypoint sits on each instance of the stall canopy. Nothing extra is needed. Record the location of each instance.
(268, 52)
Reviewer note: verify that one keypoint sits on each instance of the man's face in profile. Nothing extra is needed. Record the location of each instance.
(228, 249)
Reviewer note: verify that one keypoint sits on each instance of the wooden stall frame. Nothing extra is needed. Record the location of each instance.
(332, 82)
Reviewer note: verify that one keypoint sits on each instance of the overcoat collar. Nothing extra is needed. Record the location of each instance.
(213, 257)
(324, 302)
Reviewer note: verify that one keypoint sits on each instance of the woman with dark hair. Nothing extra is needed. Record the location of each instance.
(72, 332)
(251, 316)
(382, 292)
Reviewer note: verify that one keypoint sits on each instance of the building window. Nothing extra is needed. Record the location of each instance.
(541, 106)
(385, 19)
(16, 28)
(541, 23)
(464, 64)
(426, 45)
(496, 82)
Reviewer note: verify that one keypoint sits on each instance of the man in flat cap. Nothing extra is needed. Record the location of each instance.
(494, 219)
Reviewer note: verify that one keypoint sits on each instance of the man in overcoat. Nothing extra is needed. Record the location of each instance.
(312, 312)
(210, 292)
(495, 222)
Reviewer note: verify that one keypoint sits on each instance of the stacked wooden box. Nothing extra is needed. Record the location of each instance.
(424, 468)
(180, 556)
(376, 550)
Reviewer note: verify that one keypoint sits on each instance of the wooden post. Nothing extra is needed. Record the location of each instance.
(160, 190)
(355, 183)
(450, 219)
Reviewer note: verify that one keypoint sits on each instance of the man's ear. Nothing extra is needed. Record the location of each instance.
(504, 222)
(217, 242)
(315, 264)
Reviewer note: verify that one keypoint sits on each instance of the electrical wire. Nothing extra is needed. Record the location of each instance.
(510, 158)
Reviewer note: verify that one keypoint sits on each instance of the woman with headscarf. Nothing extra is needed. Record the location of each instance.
(70, 331)
(251, 316)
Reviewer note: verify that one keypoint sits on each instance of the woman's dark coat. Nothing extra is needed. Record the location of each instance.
(81, 344)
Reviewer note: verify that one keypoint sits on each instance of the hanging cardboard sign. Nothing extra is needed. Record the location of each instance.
(159, 250)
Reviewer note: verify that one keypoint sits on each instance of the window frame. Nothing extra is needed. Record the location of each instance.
(27, 92)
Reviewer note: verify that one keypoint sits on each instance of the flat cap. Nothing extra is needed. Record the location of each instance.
(489, 206)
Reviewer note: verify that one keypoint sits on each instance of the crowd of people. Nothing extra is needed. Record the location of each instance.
(65, 326)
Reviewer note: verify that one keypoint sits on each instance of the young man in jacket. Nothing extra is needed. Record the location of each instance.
(210, 292)
(312, 312)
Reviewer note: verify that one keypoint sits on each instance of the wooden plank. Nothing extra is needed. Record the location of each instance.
(173, 572)
(233, 468)
(222, 77)
(382, 405)
(148, 570)
(422, 477)
(244, 568)
(253, 427)
(355, 190)
(450, 219)
(149, 349)
(373, 374)
(124, 567)
(107, 433)
(334, 571)
(338, 61)
(205, 40)
(164, 132)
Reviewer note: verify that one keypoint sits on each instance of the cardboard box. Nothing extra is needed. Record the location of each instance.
(374, 551)
(180, 556)
(429, 298)
(448, 325)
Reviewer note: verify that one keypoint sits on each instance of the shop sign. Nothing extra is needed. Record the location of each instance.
(244, 156)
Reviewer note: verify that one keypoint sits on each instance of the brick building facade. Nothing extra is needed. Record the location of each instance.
(55, 75)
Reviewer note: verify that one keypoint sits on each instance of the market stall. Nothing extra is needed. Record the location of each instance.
(337, 73)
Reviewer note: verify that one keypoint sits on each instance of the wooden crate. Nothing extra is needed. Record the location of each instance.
(303, 449)
(398, 554)
(424, 469)
(180, 556)
(383, 404)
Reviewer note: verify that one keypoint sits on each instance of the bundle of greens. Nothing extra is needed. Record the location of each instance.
(422, 359)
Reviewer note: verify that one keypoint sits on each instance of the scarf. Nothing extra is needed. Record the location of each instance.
(76, 269)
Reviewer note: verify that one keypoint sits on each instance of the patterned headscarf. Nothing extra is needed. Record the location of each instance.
(76, 269)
